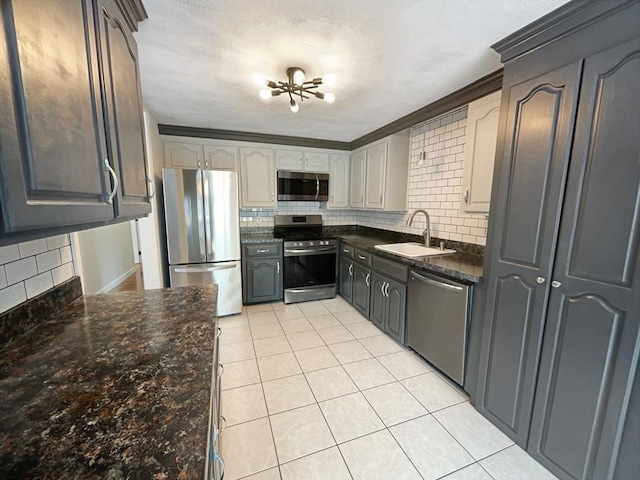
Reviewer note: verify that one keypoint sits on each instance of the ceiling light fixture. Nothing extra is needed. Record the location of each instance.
(295, 86)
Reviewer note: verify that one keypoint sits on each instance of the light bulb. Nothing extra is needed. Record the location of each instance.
(329, 97)
(329, 80)
(265, 94)
(298, 77)
(294, 106)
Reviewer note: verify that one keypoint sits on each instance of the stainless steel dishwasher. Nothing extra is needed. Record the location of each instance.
(437, 320)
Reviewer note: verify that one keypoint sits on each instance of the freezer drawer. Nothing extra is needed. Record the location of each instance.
(437, 319)
(227, 275)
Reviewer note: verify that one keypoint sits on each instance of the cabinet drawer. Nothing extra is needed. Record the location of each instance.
(262, 250)
(392, 269)
(346, 250)
(363, 257)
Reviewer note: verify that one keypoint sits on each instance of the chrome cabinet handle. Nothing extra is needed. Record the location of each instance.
(382, 287)
(277, 267)
(351, 269)
(262, 251)
(380, 198)
(345, 250)
(555, 284)
(114, 177)
(386, 290)
(150, 182)
(219, 332)
(466, 196)
(367, 279)
(540, 280)
(361, 257)
(220, 369)
(317, 186)
(272, 197)
(224, 424)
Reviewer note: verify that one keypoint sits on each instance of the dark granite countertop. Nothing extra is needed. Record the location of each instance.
(248, 238)
(459, 266)
(112, 386)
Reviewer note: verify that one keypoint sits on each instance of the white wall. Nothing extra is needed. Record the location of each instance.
(106, 257)
(30, 268)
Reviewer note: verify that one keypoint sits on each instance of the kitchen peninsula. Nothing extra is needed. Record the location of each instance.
(111, 386)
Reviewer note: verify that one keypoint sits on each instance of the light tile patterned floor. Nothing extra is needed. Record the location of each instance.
(315, 391)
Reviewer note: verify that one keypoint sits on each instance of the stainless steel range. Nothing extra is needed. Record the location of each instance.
(309, 271)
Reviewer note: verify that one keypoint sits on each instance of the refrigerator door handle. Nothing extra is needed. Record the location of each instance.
(203, 269)
(207, 216)
(201, 215)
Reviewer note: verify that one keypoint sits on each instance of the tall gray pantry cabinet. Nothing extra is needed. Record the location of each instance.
(561, 340)
(71, 125)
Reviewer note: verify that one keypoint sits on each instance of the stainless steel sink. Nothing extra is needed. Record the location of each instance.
(412, 250)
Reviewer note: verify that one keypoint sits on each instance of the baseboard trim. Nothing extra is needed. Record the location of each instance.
(113, 284)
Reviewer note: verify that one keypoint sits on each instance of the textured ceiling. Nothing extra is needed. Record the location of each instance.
(390, 57)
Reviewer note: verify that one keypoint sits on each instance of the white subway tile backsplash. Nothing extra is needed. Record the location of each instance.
(38, 284)
(9, 253)
(48, 261)
(34, 247)
(21, 270)
(12, 296)
(31, 268)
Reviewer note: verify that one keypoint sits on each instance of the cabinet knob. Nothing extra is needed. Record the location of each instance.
(555, 284)
(540, 280)
(114, 177)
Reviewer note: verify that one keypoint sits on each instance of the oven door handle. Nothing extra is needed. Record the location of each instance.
(296, 251)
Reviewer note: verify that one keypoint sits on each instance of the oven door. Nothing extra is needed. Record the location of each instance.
(299, 186)
(309, 273)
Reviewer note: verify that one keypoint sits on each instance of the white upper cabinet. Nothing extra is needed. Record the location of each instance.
(183, 155)
(257, 176)
(358, 167)
(220, 158)
(301, 161)
(379, 174)
(339, 181)
(480, 151)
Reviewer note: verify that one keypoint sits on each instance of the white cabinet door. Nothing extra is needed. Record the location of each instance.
(316, 162)
(376, 175)
(480, 151)
(257, 175)
(339, 181)
(182, 155)
(220, 158)
(358, 167)
(291, 160)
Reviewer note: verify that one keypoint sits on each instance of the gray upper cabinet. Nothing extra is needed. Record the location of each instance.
(56, 130)
(562, 321)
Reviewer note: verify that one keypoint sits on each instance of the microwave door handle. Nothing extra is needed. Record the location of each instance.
(317, 186)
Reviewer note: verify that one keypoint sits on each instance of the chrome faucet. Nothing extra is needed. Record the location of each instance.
(427, 231)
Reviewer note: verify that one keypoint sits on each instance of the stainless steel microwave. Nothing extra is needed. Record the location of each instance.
(303, 186)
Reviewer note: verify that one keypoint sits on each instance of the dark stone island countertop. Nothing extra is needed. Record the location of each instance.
(113, 386)
(464, 266)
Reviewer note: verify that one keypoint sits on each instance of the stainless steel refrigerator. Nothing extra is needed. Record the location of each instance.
(203, 232)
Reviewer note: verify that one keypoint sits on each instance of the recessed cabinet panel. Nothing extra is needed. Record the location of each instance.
(358, 163)
(376, 175)
(377, 311)
(537, 118)
(316, 162)
(397, 304)
(257, 175)
(51, 127)
(339, 181)
(345, 278)
(361, 288)
(289, 160)
(610, 194)
(220, 158)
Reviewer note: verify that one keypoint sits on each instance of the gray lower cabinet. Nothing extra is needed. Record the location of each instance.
(361, 288)
(388, 310)
(562, 321)
(345, 278)
(56, 130)
(262, 273)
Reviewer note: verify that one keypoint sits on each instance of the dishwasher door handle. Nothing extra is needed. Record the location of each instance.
(435, 283)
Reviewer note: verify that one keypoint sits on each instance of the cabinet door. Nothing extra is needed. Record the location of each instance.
(258, 177)
(361, 288)
(345, 274)
(378, 306)
(316, 162)
(125, 124)
(183, 155)
(221, 158)
(263, 282)
(339, 181)
(395, 320)
(593, 321)
(375, 176)
(536, 151)
(480, 153)
(358, 168)
(51, 131)
(290, 160)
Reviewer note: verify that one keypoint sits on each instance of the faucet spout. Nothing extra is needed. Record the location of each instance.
(427, 231)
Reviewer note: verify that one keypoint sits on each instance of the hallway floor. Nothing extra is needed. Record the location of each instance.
(315, 391)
